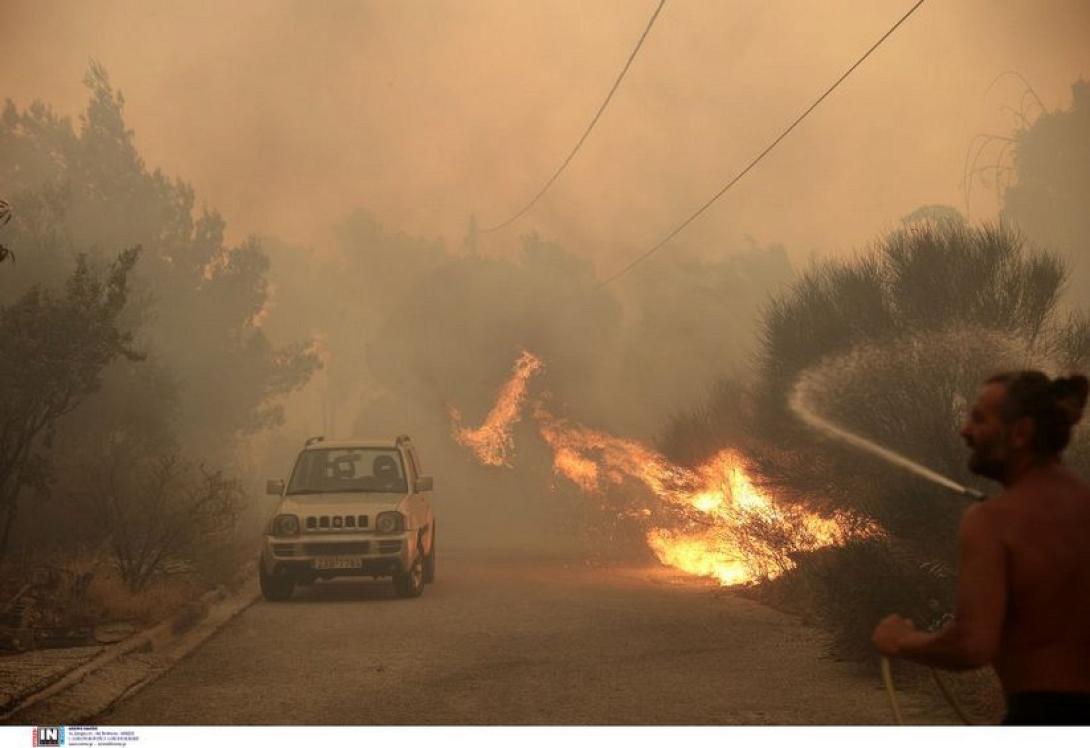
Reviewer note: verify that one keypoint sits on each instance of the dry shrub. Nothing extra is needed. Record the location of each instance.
(227, 556)
(694, 436)
(911, 395)
(160, 511)
(86, 589)
(848, 590)
(109, 598)
(39, 592)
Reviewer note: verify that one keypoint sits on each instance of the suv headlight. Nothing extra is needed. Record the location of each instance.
(389, 522)
(285, 525)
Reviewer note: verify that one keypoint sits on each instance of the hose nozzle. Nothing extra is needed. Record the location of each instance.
(972, 493)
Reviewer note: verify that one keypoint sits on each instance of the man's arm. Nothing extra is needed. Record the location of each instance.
(972, 639)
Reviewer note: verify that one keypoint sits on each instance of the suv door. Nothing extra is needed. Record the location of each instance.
(418, 502)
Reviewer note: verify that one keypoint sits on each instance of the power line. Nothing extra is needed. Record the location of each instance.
(681, 227)
(593, 122)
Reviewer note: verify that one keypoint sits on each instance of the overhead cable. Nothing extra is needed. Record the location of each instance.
(593, 122)
(681, 227)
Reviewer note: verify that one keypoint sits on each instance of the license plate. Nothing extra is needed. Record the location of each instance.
(339, 562)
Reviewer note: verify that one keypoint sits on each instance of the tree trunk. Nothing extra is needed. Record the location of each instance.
(8, 509)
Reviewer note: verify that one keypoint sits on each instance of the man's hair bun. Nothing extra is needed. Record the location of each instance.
(1054, 405)
(1070, 394)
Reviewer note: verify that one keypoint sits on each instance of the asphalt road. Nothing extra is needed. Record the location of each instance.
(502, 641)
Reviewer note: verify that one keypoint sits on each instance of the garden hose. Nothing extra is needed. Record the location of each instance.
(891, 693)
(950, 698)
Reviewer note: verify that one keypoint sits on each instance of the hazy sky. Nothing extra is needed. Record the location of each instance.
(286, 115)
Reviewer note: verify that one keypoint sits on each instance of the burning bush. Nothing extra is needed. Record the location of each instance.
(708, 519)
(893, 346)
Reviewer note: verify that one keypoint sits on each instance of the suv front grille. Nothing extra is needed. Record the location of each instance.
(336, 549)
(336, 522)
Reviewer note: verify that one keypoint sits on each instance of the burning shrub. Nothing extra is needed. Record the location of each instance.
(893, 346)
(707, 519)
(694, 436)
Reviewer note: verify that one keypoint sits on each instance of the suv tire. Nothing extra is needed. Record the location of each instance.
(274, 588)
(429, 561)
(411, 583)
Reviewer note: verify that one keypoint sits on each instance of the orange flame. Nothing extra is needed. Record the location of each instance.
(746, 535)
(729, 529)
(585, 456)
(492, 441)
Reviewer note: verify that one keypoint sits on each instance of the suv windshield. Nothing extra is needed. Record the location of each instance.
(350, 470)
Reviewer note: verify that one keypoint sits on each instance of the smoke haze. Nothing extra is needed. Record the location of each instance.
(362, 139)
(285, 116)
(276, 233)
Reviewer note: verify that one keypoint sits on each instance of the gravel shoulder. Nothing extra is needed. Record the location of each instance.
(71, 686)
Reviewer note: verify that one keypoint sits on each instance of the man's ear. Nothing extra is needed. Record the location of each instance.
(1021, 433)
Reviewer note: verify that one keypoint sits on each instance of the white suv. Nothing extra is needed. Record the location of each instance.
(351, 508)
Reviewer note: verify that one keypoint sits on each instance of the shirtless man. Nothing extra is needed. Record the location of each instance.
(1023, 597)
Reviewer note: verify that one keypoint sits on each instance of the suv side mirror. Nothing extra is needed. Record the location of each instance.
(275, 487)
(424, 483)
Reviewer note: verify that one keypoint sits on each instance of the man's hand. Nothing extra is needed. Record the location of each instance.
(890, 633)
(973, 638)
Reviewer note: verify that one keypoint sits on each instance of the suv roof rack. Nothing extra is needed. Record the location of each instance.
(314, 440)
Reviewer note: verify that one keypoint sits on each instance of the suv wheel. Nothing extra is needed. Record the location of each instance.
(429, 561)
(274, 587)
(411, 583)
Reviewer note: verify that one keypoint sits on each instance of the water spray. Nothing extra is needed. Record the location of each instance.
(801, 396)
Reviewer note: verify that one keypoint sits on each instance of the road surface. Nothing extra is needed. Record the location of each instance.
(505, 641)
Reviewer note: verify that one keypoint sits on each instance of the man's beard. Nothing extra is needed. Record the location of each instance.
(986, 465)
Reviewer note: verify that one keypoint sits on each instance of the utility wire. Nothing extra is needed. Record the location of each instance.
(586, 132)
(681, 227)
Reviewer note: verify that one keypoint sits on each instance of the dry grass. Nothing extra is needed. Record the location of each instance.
(82, 587)
(84, 590)
(108, 599)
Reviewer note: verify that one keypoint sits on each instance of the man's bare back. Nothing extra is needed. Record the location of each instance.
(1043, 523)
(1023, 596)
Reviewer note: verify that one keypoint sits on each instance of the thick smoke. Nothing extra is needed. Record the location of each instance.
(411, 328)
(287, 115)
(416, 120)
